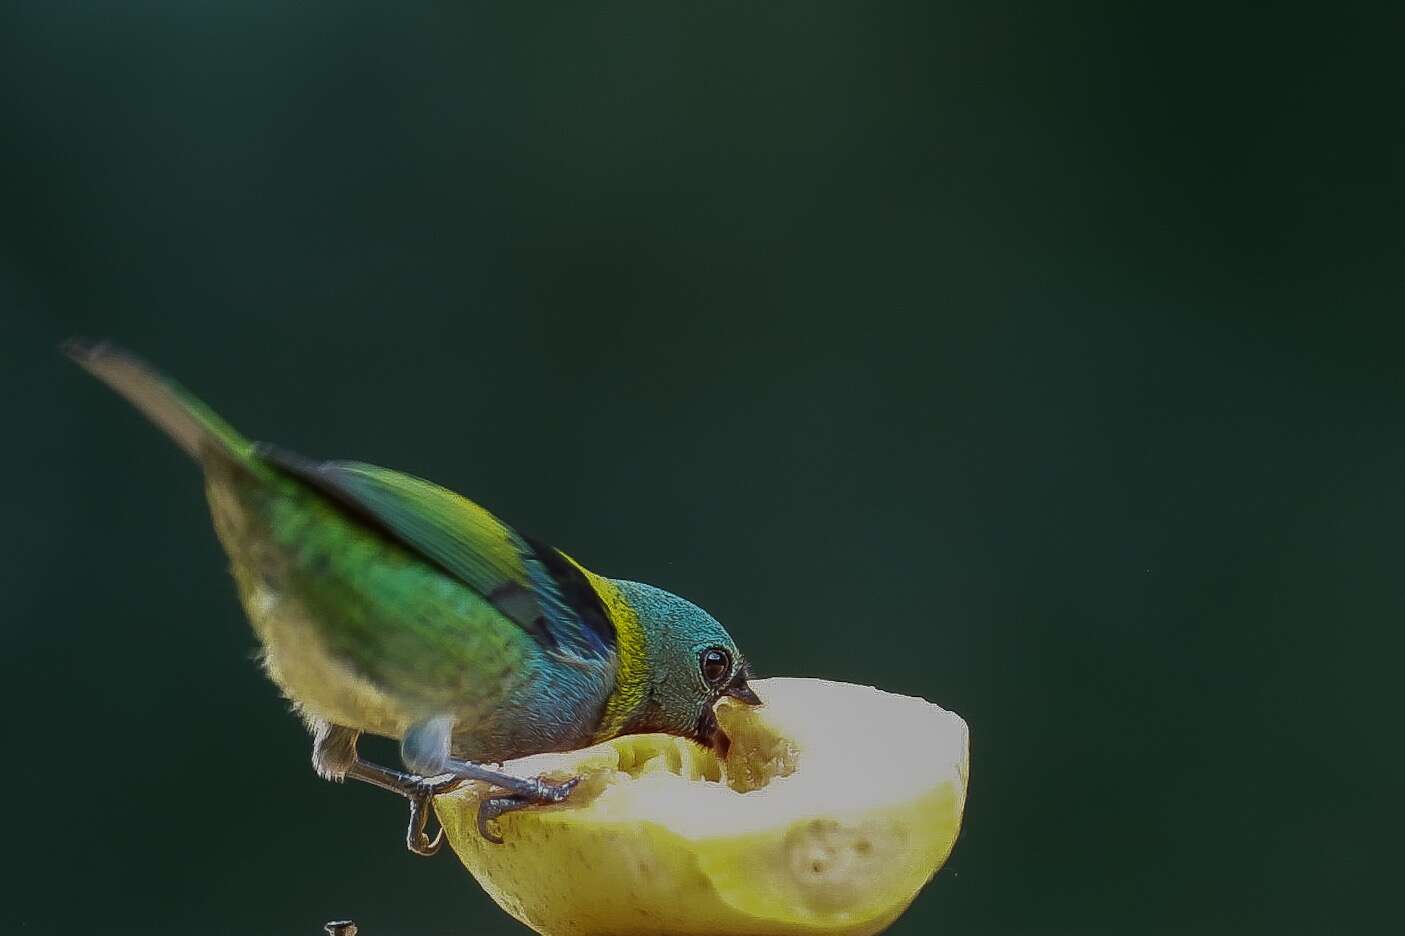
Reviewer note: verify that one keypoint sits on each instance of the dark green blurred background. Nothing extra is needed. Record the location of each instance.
(1039, 359)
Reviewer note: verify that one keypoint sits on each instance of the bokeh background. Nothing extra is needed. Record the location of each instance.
(1040, 359)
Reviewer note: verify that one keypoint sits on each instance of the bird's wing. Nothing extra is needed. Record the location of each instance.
(531, 583)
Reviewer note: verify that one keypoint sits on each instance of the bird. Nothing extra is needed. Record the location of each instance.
(388, 605)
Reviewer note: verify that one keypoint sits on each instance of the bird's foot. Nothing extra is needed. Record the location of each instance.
(540, 793)
(420, 791)
(426, 749)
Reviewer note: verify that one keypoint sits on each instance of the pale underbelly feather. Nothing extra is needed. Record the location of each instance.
(322, 686)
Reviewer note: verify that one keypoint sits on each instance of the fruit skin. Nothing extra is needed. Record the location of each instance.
(660, 854)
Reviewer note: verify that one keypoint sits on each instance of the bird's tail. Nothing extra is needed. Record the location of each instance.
(194, 426)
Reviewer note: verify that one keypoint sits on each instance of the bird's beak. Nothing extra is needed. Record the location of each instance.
(739, 690)
(743, 693)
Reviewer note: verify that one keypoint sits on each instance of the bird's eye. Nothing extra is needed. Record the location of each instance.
(716, 663)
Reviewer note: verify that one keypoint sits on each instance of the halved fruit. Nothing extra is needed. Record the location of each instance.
(834, 806)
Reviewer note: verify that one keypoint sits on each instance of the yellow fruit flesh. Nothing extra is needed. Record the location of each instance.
(834, 806)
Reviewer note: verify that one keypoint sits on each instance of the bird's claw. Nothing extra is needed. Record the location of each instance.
(415, 839)
(542, 794)
(421, 797)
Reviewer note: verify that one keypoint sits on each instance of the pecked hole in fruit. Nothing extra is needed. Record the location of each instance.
(757, 756)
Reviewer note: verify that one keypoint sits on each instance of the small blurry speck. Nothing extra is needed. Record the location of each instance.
(340, 928)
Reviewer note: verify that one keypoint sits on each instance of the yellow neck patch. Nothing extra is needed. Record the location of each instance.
(632, 677)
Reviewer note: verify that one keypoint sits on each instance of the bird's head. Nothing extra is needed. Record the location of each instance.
(691, 663)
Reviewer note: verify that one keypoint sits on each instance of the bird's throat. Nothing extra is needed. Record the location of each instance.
(628, 698)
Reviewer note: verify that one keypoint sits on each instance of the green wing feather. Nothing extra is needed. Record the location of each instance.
(532, 584)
